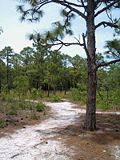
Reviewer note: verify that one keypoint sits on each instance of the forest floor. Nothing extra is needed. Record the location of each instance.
(59, 135)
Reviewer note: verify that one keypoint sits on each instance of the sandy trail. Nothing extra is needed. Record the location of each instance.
(34, 142)
(37, 142)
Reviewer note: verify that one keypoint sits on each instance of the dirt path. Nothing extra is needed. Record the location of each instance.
(58, 138)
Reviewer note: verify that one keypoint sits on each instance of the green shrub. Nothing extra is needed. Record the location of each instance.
(108, 100)
(103, 105)
(40, 107)
(56, 99)
(25, 105)
(2, 123)
(13, 109)
(36, 93)
(79, 93)
(22, 105)
(9, 98)
(21, 84)
(115, 97)
(13, 112)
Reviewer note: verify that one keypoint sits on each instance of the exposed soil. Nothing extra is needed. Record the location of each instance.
(23, 118)
(62, 137)
(101, 144)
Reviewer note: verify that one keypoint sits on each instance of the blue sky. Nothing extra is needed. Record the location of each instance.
(15, 32)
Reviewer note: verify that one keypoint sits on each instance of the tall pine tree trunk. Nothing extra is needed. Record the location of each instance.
(48, 91)
(90, 122)
(0, 83)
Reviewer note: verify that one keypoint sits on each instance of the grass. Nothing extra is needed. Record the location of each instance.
(14, 108)
(40, 107)
(2, 123)
(13, 112)
(55, 98)
(11, 103)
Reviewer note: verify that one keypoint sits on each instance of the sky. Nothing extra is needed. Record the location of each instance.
(15, 33)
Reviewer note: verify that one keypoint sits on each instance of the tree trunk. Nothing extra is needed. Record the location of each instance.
(0, 77)
(54, 90)
(65, 92)
(0, 84)
(7, 72)
(48, 90)
(90, 122)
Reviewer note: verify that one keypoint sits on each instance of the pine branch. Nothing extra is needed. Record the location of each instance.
(83, 5)
(60, 42)
(108, 63)
(106, 24)
(38, 5)
(107, 7)
(98, 3)
(73, 4)
(85, 46)
(63, 3)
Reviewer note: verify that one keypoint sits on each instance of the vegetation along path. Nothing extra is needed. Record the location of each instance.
(59, 138)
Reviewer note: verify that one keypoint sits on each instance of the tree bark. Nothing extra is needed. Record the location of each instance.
(48, 91)
(90, 121)
(0, 83)
(7, 72)
(0, 77)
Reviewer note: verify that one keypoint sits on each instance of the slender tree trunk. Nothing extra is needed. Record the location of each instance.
(54, 90)
(90, 122)
(0, 83)
(0, 77)
(7, 73)
(65, 92)
(107, 97)
(65, 89)
(48, 90)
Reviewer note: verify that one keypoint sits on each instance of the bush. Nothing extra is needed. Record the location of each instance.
(79, 93)
(108, 100)
(9, 98)
(40, 107)
(21, 84)
(56, 99)
(36, 93)
(2, 123)
(13, 112)
(103, 105)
